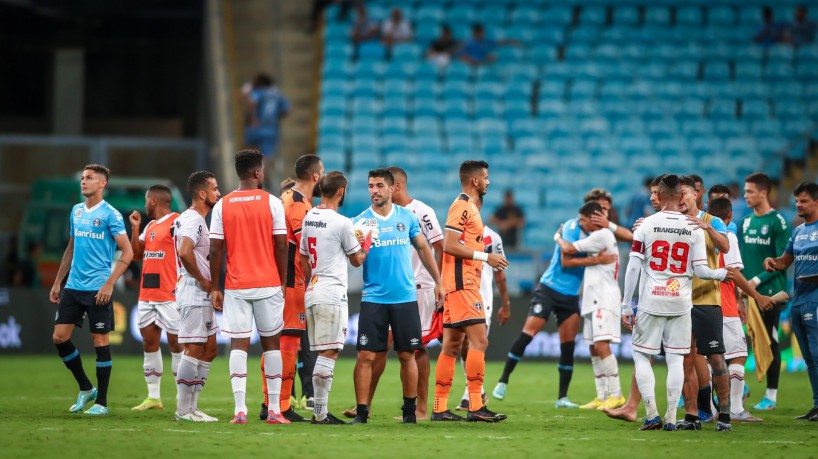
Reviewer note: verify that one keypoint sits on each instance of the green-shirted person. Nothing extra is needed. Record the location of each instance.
(765, 233)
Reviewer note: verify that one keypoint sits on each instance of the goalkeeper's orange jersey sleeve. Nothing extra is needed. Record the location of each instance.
(464, 219)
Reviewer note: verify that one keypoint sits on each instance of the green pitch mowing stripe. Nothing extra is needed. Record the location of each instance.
(37, 391)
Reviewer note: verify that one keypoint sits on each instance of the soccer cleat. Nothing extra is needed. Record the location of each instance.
(330, 419)
(485, 415)
(593, 404)
(810, 414)
(240, 418)
(446, 416)
(363, 419)
(97, 410)
(85, 397)
(744, 416)
(202, 416)
(669, 427)
(302, 404)
(262, 414)
(765, 404)
(689, 425)
(409, 417)
(189, 417)
(723, 427)
(294, 402)
(565, 402)
(149, 404)
(292, 416)
(499, 391)
(273, 418)
(705, 417)
(464, 405)
(652, 424)
(613, 403)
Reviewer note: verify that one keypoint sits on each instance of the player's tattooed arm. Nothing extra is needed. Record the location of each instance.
(764, 302)
(138, 246)
(188, 259)
(216, 258)
(65, 265)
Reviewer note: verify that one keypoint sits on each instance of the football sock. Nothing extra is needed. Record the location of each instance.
(362, 411)
(103, 373)
(475, 373)
(238, 379)
(201, 379)
(186, 382)
(566, 367)
(514, 355)
(772, 395)
(724, 417)
(703, 400)
(736, 387)
(272, 372)
(175, 358)
(322, 382)
(289, 353)
(675, 381)
(599, 377)
(71, 358)
(264, 383)
(153, 366)
(646, 382)
(466, 376)
(307, 358)
(774, 371)
(444, 374)
(691, 418)
(610, 367)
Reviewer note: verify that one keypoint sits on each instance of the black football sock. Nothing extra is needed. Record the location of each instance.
(691, 418)
(306, 370)
(724, 417)
(103, 373)
(71, 358)
(704, 399)
(566, 367)
(514, 355)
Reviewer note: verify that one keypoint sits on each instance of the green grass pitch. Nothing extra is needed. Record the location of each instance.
(37, 391)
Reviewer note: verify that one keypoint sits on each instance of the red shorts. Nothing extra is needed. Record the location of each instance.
(295, 320)
(462, 308)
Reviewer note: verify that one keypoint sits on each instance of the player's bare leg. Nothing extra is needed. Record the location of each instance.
(363, 378)
(628, 411)
(378, 367)
(153, 367)
(721, 382)
(705, 394)
(532, 326)
(424, 368)
(568, 332)
(409, 381)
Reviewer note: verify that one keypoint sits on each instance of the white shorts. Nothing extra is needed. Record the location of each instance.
(327, 326)
(163, 314)
(735, 342)
(190, 293)
(652, 333)
(426, 308)
(602, 325)
(488, 307)
(239, 313)
(197, 323)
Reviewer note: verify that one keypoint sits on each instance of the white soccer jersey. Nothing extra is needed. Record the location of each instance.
(494, 244)
(669, 248)
(191, 225)
(431, 230)
(600, 287)
(327, 238)
(732, 259)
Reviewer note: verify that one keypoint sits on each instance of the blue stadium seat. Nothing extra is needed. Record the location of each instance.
(751, 90)
(583, 90)
(785, 90)
(721, 15)
(455, 89)
(662, 128)
(391, 125)
(493, 14)
(789, 109)
(717, 71)
(399, 70)
(406, 51)
(780, 55)
(395, 87)
(578, 53)
(691, 109)
(750, 15)
(696, 128)
(425, 107)
(689, 16)
(463, 11)
(426, 32)
(703, 146)
(593, 15)
(429, 13)
(426, 73)
(557, 15)
(333, 106)
(487, 90)
(795, 127)
(525, 16)
(755, 110)
(771, 145)
(365, 88)
(722, 109)
(778, 71)
(636, 145)
(625, 16)
(807, 71)
(672, 146)
(516, 110)
(584, 34)
(764, 127)
(748, 52)
(685, 71)
(550, 108)
(737, 146)
(729, 128)
(371, 50)
(457, 71)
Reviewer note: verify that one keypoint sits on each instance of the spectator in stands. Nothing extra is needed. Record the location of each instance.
(395, 30)
(509, 219)
(801, 31)
(478, 50)
(640, 205)
(28, 270)
(319, 5)
(265, 106)
(364, 29)
(443, 48)
(771, 32)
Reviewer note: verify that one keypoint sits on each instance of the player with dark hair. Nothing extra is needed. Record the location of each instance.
(96, 230)
(607, 216)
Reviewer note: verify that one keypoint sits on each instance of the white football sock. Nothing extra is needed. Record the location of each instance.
(201, 379)
(322, 382)
(675, 381)
(599, 378)
(175, 358)
(273, 369)
(153, 367)
(610, 367)
(238, 379)
(646, 383)
(186, 383)
(736, 388)
(772, 394)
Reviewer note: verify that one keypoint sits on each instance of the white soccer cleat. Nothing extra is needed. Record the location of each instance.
(188, 417)
(201, 416)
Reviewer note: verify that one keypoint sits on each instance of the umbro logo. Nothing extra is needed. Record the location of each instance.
(99, 325)
(414, 341)
(808, 316)
(714, 343)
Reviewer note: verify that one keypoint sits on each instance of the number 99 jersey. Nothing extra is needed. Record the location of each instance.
(669, 248)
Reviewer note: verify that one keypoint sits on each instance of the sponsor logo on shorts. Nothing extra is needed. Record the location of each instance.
(713, 343)
(414, 341)
(401, 227)
(363, 340)
(345, 333)
(537, 308)
(478, 307)
(808, 316)
(209, 325)
(57, 316)
(99, 325)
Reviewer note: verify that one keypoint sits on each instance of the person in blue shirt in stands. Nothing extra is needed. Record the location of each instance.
(265, 107)
(96, 231)
(802, 250)
(479, 50)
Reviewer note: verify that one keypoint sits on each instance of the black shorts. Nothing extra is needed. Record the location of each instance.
(374, 322)
(546, 299)
(76, 304)
(708, 329)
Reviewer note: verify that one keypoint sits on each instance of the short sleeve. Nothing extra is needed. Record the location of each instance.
(595, 242)
(458, 217)
(116, 224)
(144, 231)
(255, 96)
(348, 240)
(302, 246)
(718, 225)
(789, 248)
(192, 229)
(497, 244)
(638, 245)
(279, 222)
(71, 222)
(732, 259)
(298, 221)
(216, 223)
(699, 248)
(430, 226)
(414, 226)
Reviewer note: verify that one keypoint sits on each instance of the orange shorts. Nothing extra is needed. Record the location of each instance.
(463, 307)
(295, 320)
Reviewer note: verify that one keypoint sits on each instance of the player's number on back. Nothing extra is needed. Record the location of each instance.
(666, 256)
(311, 241)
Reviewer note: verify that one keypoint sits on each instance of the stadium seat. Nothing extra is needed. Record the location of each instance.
(689, 16)
(625, 16)
(584, 34)
(657, 16)
(557, 15)
(755, 110)
(593, 15)
(722, 16)
(722, 109)
(717, 71)
(789, 109)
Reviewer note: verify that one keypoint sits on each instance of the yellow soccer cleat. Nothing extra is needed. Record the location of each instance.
(149, 404)
(592, 405)
(612, 403)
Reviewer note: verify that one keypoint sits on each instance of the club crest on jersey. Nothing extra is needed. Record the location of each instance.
(813, 236)
(363, 340)
(152, 236)
(765, 229)
(401, 227)
(302, 318)
(97, 222)
(478, 307)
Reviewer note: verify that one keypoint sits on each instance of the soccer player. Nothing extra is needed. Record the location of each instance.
(390, 293)
(601, 218)
(463, 313)
(327, 240)
(802, 249)
(488, 277)
(600, 307)
(96, 230)
(296, 201)
(250, 224)
(197, 324)
(666, 252)
(765, 233)
(721, 191)
(157, 301)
